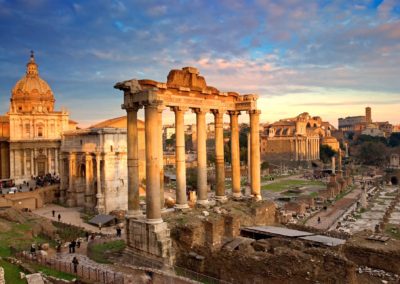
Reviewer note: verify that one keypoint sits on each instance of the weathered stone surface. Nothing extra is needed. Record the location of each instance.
(2, 280)
(35, 278)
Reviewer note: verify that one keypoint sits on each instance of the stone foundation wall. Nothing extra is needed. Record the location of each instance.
(151, 241)
(372, 256)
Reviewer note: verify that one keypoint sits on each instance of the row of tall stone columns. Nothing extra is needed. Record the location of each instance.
(306, 149)
(50, 153)
(154, 158)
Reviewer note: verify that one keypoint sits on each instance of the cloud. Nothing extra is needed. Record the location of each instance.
(273, 48)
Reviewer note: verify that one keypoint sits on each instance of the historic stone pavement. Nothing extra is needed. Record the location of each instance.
(72, 216)
(329, 216)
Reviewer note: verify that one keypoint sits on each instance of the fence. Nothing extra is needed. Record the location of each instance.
(198, 276)
(84, 272)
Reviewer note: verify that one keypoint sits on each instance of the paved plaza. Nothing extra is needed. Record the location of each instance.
(72, 216)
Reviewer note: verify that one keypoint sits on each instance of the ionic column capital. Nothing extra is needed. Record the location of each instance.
(131, 106)
(234, 112)
(200, 110)
(178, 109)
(154, 104)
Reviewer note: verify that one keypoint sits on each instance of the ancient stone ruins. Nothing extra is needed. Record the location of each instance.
(185, 89)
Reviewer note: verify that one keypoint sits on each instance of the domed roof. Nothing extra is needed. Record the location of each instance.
(31, 93)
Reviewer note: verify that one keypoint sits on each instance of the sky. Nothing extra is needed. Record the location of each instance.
(328, 58)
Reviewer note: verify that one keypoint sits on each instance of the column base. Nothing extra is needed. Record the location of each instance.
(150, 243)
(221, 199)
(203, 203)
(181, 207)
(134, 214)
(256, 197)
(237, 194)
(154, 221)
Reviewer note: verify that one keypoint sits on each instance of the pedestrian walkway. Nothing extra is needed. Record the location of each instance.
(328, 217)
(72, 216)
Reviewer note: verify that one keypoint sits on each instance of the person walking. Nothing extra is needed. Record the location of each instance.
(119, 232)
(54, 213)
(319, 220)
(75, 263)
(73, 244)
(59, 217)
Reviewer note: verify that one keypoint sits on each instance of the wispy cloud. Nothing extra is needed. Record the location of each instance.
(274, 48)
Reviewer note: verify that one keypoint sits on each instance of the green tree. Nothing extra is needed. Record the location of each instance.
(373, 153)
(326, 153)
(394, 140)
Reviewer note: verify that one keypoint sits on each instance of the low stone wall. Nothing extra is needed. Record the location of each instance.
(31, 200)
(374, 254)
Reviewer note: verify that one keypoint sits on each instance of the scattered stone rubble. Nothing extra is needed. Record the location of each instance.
(378, 273)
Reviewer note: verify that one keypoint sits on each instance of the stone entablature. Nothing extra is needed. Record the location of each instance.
(185, 88)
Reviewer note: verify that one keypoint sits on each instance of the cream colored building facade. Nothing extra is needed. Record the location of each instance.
(35, 128)
(94, 166)
(296, 139)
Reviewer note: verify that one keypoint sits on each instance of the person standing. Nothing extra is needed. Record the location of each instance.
(73, 244)
(59, 217)
(54, 213)
(119, 232)
(75, 263)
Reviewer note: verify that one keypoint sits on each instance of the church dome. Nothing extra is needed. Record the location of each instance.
(31, 93)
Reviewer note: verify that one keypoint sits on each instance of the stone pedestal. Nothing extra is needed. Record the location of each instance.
(149, 242)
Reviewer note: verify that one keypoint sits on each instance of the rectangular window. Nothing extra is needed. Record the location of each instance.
(27, 128)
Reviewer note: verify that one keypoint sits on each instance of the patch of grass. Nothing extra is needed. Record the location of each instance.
(86, 217)
(98, 252)
(314, 194)
(393, 231)
(52, 272)
(290, 183)
(11, 273)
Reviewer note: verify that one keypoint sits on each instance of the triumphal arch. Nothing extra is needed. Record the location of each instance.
(185, 90)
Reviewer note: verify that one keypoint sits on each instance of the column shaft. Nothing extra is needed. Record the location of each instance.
(32, 162)
(99, 193)
(133, 163)
(48, 152)
(56, 158)
(161, 157)
(255, 153)
(153, 210)
(219, 155)
(12, 163)
(235, 153)
(24, 162)
(202, 196)
(181, 197)
(88, 197)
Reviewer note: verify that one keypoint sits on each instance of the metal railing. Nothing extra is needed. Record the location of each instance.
(202, 278)
(83, 272)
